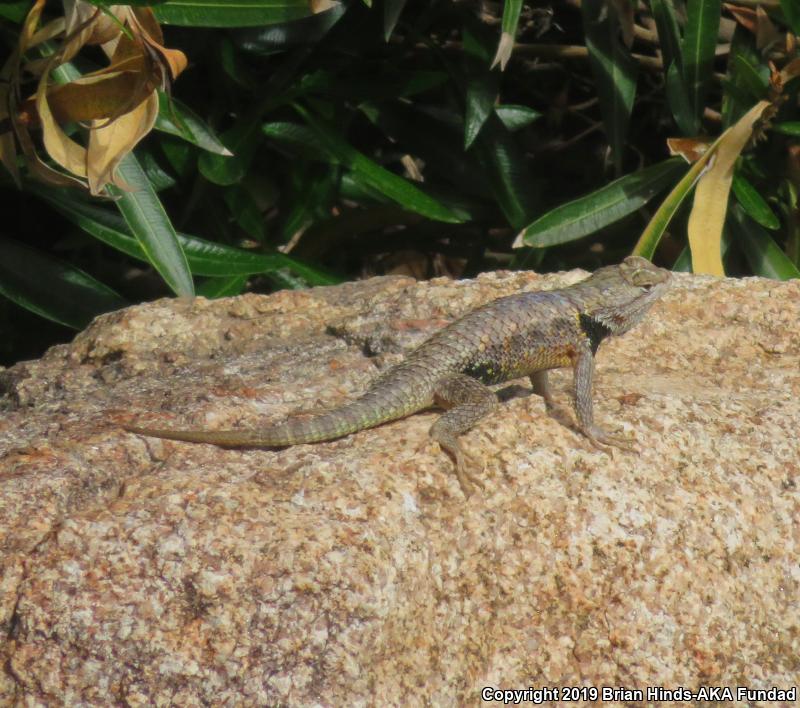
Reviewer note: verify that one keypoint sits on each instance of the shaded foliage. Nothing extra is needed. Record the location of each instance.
(326, 141)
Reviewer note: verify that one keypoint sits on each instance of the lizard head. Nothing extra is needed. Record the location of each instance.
(625, 292)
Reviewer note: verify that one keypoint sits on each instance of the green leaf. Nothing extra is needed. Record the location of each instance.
(308, 196)
(146, 217)
(391, 13)
(669, 37)
(511, 10)
(683, 263)
(149, 222)
(235, 67)
(181, 155)
(516, 117)
(241, 140)
(204, 257)
(506, 170)
(393, 83)
(396, 188)
(763, 255)
(791, 11)
(481, 84)
(679, 102)
(51, 288)
(177, 119)
(787, 128)
(300, 140)
(737, 98)
(436, 140)
(699, 45)
(283, 280)
(353, 189)
(222, 287)
(245, 212)
(158, 178)
(329, 235)
(789, 205)
(456, 178)
(753, 78)
(222, 13)
(646, 245)
(15, 11)
(614, 71)
(105, 4)
(608, 204)
(280, 37)
(753, 203)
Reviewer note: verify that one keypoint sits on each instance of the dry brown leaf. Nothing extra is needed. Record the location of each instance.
(146, 24)
(107, 27)
(745, 16)
(690, 149)
(175, 59)
(152, 35)
(63, 149)
(109, 143)
(767, 34)
(790, 71)
(50, 30)
(77, 13)
(318, 6)
(118, 103)
(106, 94)
(756, 21)
(504, 50)
(80, 19)
(29, 26)
(711, 195)
(42, 171)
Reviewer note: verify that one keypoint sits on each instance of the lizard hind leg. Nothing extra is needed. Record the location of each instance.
(467, 401)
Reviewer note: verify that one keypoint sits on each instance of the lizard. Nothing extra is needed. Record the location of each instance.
(525, 334)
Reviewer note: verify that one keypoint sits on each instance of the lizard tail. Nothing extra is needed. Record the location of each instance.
(352, 417)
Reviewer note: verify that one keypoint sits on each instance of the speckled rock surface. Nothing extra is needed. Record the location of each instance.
(145, 572)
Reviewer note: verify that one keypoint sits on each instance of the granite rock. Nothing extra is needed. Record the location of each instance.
(138, 571)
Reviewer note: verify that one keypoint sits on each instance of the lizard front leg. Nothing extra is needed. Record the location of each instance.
(467, 401)
(584, 373)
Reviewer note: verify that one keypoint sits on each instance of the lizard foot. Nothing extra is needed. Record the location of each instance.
(600, 437)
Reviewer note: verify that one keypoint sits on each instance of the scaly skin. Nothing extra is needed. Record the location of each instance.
(514, 336)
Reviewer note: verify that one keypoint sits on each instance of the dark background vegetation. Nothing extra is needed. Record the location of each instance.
(301, 103)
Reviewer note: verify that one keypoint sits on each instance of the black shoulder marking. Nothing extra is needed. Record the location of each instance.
(485, 372)
(595, 330)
